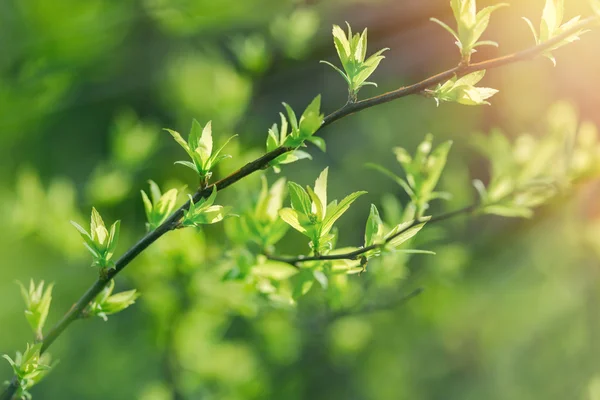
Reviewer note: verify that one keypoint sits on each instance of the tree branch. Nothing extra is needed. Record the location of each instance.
(460, 70)
(264, 161)
(356, 254)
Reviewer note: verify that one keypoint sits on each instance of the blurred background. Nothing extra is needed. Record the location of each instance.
(510, 307)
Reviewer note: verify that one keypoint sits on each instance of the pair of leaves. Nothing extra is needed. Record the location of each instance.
(375, 234)
(470, 25)
(199, 147)
(29, 367)
(422, 171)
(311, 215)
(100, 241)
(352, 50)
(552, 25)
(204, 212)
(160, 207)
(106, 303)
(37, 303)
(463, 90)
(300, 131)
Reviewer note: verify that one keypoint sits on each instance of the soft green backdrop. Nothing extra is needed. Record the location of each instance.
(510, 308)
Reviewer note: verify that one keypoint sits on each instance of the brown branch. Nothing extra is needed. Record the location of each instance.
(460, 70)
(264, 161)
(356, 254)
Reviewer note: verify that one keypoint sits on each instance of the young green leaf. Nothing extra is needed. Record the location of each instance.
(106, 303)
(161, 206)
(374, 228)
(204, 212)
(311, 216)
(403, 232)
(37, 305)
(301, 131)
(552, 25)
(463, 90)
(337, 211)
(291, 217)
(352, 50)
(262, 223)
(199, 148)
(99, 241)
(29, 368)
(471, 26)
(422, 171)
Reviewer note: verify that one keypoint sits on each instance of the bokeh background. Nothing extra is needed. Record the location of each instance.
(510, 308)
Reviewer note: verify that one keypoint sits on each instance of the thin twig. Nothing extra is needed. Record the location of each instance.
(375, 307)
(356, 254)
(264, 161)
(460, 70)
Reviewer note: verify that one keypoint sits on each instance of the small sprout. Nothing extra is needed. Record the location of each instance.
(301, 131)
(423, 171)
(204, 212)
(374, 228)
(200, 149)
(352, 50)
(37, 302)
(161, 206)
(471, 25)
(552, 26)
(29, 368)
(99, 241)
(311, 215)
(106, 303)
(264, 222)
(391, 241)
(463, 90)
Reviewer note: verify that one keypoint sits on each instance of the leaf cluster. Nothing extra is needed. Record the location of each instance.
(100, 241)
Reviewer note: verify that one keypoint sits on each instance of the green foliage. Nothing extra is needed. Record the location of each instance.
(37, 303)
(196, 312)
(352, 50)
(99, 241)
(161, 206)
(261, 224)
(200, 149)
(204, 211)
(423, 171)
(396, 237)
(295, 31)
(528, 172)
(463, 90)
(471, 25)
(374, 228)
(311, 215)
(301, 131)
(106, 303)
(29, 368)
(37, 210)
(252, 52)
(552, 26)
